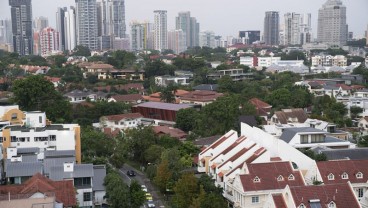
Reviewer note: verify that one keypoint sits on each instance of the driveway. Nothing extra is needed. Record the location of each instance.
(143, 180)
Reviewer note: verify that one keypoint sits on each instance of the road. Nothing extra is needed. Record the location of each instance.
(143, 180)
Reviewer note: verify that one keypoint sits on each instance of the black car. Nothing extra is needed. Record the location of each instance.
(130, 173)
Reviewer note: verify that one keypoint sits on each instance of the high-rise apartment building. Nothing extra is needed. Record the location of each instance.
(292, 29)
(60, 26)
(160, 30)
(21, 16)
(366, 36)
(141, 36)
(306, 29)
(250, 36)
(70, 31)
(49, 41)
(111, 18)
(86, 24)
(177, 41)
(271, 28)
(6, 32)
(190, 27)
(207, 39)
(39, 23)
(332, 27)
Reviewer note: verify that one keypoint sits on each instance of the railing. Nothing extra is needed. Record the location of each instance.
(6, 197)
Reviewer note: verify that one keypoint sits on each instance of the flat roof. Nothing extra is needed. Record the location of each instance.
(164, 106)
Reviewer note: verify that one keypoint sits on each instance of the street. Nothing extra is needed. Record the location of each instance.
(143, 180)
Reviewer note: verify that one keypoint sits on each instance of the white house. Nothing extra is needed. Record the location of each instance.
(121, 121)
(166, 80)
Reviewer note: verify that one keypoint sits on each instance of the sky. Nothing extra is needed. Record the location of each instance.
(224, 17)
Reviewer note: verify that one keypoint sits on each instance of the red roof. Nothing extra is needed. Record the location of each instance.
(99, 66)
(127, 98)
(262, 108)
(344, 86)
(236, 143)
(249, 160)
(270, 175)
(201, 96)
(173, 132)
(132, 86)
(123, 116)
(217, 143)
(111, 133)
(279, 201)
(338, 168)
(64, 190)
(341, 194)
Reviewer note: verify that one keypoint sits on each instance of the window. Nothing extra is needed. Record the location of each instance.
(86, 181)
(360, 192)
(1, 139)
(256, 179)
(331, 205)
(291, 177)
(359, 175)
(13, 139)
(87, 196)
(255, 199)
(301, 206)
(344, 176)
(317, 138)
(14, 116)
(280, 178)
(52, 137)
(40, 119)
(331, 177)
(303, 139)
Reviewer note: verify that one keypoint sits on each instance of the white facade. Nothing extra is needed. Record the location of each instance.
(247, 61)
(160, 30)
(137, 35)
(86, 23)
(166, 80)
(50, 40)
(70, 29)
(123, 124)
(332, 27)
(268, 61)
(292, 33)
(207, 39)
(328, 60)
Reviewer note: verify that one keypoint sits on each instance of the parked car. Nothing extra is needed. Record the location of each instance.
(144, 188)
(130, 173)
(150, 204)
(149, 197)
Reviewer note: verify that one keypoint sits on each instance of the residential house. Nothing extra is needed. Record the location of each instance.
(170, 131)
(96, 68)
(235, 74)
(295, 115)
(128, 99)
(182, 73)
(263, 109)
(359, 99)
(164, 81)
(363, 123)
(208, 87)
(78, 96)
(55, 80)
(39, 187)
(307, 137)
(128, 74)
(121, 122)
(35, 70)
(326, 195)
(342, 154)
(200, 97)
(156, 97)
(338, 90)
(129, 88)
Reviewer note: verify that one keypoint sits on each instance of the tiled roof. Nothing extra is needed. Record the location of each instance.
(126, 87)
(339, 167)
(63, 190)
(289, 133)
(173, 132)
(273, 175)
(341, 154)
(123, 116)
(127, 98)
(217, 143)
(235, 157)
(201, 96)
(99, 172)
(259, 103)
(206, 141)
(284, 115)
(341, 194)
(100, 66)
(279, 201)
(227, 150)
(164, 106)
(110, 132)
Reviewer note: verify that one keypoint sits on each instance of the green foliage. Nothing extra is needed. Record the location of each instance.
(279, 98)
(80, 50)
(168, 94)
(121, 59)
(158, 68)
(69, 73)
(153, 153)
(363, 141)
(355, 110)
(35, 93)
(295, 55)
(137, 195)
(57, 60)
(186, 119)
(185, 191)
(167, 51)
(139, 140)
(316, 157)
(189, 64)
(163, 175)
(209, 54)
(361, 43)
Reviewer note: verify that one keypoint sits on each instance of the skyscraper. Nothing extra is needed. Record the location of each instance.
(40, 23)
(207, 39)
(190, 27)
(60, 26)
(6, 32)
(160, 30)
(111, 18)
(332, 27)
(49, 41)
(250, 36)
(177, 41)
(70, 33)
(292, 29)
(21, 16)
(306, 28)
(271, 28)
(86, 11)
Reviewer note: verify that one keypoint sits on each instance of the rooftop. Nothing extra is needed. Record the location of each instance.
(289, 133)
(164, 106)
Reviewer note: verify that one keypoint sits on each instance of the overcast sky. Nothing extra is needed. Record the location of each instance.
(224, 17)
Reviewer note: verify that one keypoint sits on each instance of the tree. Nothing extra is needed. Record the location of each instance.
(80, 50)
(186, 119)
(279, 98)
(163, 175)
(168, 94)
(363, 141)
(153, 153)
(137, 195)
(117, 193)
(355, 111)
(226, 84)
(120, 59)
(35, 93)
(139, 140)
(185, 190)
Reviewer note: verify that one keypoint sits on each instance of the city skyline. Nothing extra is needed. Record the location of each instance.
(240, 16)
